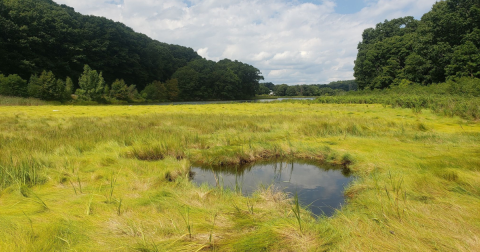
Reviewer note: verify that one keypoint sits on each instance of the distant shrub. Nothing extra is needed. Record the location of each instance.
(464, 86)
(13, 85)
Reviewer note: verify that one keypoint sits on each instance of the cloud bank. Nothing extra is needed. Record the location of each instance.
(290, 42)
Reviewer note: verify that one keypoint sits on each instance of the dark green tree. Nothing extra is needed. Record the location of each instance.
(13, 85)
(280, 89)
(155, 91)
(40, 34)
(47, 87)
(227, 85)
(119, 90)
(262, 89)
(465, 61)
(443, 44)
(189, 83)
(269, 85)
(171, 88)
(291, 91)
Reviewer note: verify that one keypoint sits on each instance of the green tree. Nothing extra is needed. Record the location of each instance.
(280, 89)
(69, 86)
(155, 91)
(262, 90)
(47, 87)
(40, 34)
(443, 44)
(269, 85)
(291, 91)
(416, 68)
(313, 90)
(133, 94)
(13, 85)
(91, 85)
(227, 85)
(188, 83)
(465, 61)
(249, 77)
(326, 91)
(119, 90)
(172, 91)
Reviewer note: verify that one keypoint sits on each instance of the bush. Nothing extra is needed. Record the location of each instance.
(13, 85)
(464, 86)
(47, 87)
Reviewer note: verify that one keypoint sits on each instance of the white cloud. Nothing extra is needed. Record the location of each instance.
(289, 41)
(203, 52)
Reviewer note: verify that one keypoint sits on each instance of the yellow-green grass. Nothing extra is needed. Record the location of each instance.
(16, 101)
(115, 178)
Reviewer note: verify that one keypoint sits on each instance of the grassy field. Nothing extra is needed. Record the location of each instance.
(115, 178)
(14, 101)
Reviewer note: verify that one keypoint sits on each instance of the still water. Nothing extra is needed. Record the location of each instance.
(236, 101)
(319, 188)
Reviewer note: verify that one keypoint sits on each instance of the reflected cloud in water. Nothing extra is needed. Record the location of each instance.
(320, 188)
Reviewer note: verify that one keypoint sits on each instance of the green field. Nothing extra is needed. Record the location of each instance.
(115, 178)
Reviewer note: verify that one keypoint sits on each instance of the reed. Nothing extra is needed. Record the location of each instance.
(296, 211)
(186, 219)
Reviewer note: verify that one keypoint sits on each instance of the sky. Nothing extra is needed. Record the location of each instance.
(290, 41)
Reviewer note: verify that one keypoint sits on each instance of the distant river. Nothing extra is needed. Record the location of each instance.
(235, 101)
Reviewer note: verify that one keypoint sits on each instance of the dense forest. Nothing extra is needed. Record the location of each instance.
(332, 88)
(444, 44)
(49, 43)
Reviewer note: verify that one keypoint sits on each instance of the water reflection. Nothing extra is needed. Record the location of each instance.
(236, 101)
(320, 188)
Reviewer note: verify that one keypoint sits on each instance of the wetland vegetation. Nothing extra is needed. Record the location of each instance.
(117, 178)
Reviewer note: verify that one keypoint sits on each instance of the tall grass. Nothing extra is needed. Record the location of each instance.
(468, 108)
(129, 167)
(171, 136)
(453, 98)
(20, 101)
(296, 211)
(22, 172)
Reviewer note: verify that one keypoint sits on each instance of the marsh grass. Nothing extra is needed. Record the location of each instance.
(112, 184)
(186, 219)
(93, 178)
(296, 211)
(20, 101)
(447, 105)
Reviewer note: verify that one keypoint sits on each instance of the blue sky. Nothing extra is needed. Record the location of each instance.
(349, 6)
(290, 41)
(343, 6)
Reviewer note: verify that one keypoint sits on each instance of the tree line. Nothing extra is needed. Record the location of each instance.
(46, 86)
(443, 45)
(224, 80)
(332, 88)
(43, 42)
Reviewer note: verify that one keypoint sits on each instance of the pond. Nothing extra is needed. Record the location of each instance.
(321, 189)
(235, 101)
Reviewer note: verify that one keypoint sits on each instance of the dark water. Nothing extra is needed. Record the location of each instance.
(236, 101)
(319, 188)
